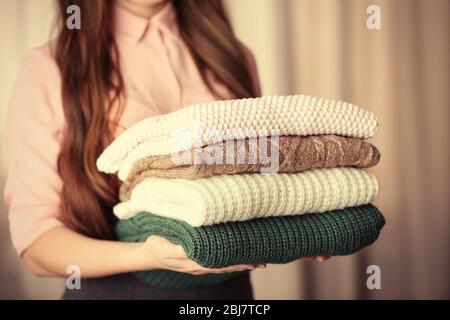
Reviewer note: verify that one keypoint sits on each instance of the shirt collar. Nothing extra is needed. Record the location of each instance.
(138, 27)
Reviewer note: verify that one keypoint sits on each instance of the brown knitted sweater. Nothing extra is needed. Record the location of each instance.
(296, 154)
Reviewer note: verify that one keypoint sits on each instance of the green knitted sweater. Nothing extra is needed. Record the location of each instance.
(263, 240)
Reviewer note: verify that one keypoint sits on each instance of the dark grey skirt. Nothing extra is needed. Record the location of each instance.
(128, 287)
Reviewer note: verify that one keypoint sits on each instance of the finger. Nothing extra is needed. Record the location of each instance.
(227, 269)
(235, 268)
(322, 258)
(241, 267)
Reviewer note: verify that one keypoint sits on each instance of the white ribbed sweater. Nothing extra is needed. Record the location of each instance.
(202, 124)
(243, 197)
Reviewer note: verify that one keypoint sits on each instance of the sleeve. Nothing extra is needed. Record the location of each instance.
(252, 65)
(33, 131)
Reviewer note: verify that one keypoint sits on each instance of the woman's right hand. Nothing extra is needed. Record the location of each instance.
(163, 254)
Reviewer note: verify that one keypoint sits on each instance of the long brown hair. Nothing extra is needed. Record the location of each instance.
(92, 85)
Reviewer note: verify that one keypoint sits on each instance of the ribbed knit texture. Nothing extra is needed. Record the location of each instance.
(247, 196)
(295, 154)
(263, 240)
(202, 124)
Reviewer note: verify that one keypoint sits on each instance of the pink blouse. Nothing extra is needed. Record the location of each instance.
(160, 76)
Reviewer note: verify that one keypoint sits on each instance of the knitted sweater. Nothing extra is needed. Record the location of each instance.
(247, 196)
(264, 240)
(202, 124)
(295, 154)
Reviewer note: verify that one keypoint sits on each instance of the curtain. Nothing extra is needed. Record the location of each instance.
(401, 72)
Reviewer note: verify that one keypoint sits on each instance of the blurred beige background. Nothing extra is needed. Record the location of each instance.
(323, 48)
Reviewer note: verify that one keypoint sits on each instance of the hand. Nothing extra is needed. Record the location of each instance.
(169, 256)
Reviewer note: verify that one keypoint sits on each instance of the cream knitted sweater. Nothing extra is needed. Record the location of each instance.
(247, 196)
(202, 124)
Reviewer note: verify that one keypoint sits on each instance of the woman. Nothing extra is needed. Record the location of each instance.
(131, 59)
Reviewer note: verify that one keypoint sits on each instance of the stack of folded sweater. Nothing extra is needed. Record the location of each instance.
(225, 211)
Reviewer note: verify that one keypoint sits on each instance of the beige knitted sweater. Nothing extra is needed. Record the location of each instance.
(212, 122)
(247, 196)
